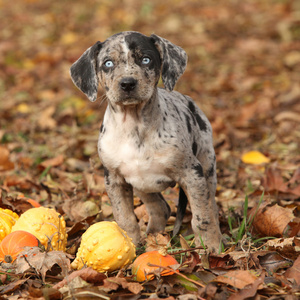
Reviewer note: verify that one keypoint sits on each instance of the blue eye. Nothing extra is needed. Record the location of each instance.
(108, 64)
(146, 61)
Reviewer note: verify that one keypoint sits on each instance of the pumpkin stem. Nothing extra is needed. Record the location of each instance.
(163, 251)
(8, 259)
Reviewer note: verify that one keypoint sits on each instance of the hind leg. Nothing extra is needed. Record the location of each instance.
(157, 209)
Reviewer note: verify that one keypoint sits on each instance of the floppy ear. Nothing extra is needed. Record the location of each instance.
(174, 60)
(84, 72)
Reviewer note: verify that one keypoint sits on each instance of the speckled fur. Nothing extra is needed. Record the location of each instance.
(151, 138)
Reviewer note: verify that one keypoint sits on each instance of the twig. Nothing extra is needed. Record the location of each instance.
(178, 273)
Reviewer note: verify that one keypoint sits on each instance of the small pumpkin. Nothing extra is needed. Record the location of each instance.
(14, 243)
(105, 247)
(7, 219)
(46, 224)
(142, 270)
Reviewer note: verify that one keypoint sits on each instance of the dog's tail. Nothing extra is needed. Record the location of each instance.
(182, 203)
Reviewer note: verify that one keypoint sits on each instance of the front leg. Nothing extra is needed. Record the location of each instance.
(120, 194)
(157, 209)
(205, 222)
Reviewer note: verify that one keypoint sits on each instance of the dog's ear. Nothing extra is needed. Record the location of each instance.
(174, 60)
(84, 72)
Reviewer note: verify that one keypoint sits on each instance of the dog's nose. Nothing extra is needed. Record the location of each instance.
(128, 84)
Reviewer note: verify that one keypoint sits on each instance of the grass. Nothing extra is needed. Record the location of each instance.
(244, 227)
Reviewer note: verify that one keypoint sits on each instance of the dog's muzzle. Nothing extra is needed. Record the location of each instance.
(128, 84)
(129, 92)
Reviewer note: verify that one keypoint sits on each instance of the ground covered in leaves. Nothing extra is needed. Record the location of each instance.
(243, 71)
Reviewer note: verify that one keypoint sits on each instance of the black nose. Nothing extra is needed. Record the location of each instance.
(128, 84)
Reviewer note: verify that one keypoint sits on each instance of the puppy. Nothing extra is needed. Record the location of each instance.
(151, 138)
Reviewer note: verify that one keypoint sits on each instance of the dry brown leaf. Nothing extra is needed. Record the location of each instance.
(289, 247)
(94, 182)
(141, 213)
(273, 181)
(52, 162)
(238, 279)
(78, 210)
(271, 220)
(272, 261)
(12, 286)
(294, 271)
(156, 241)
(41, 262)
(113, 283)
(45, 120)
(249, 291)
(5, 163)
(87, 274)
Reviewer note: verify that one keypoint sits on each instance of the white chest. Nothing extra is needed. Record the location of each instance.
(139, 163)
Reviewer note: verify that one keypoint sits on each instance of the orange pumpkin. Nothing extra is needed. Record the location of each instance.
(141, 269)
(14, 243)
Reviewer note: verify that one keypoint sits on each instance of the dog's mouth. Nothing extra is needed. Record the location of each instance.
(129, 101)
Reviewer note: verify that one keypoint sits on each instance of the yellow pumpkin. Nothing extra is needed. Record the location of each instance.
(46, 224)
(105, 247)
(7, 219)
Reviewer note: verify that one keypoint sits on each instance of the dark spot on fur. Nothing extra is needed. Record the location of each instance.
(195, 148)
(141, 46)
(175, 106)
(199, 170)
(106, 176)
(191, 107)
(188, 123)
(211, 171)
(201, 123)
(202, 229)
(106, 88)
(102, 128)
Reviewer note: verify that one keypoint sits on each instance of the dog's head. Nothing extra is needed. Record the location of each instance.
(128, 65)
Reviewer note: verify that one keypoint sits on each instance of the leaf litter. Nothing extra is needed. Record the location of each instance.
(244, 73)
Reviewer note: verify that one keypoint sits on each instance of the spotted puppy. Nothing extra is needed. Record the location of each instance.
(151, 138)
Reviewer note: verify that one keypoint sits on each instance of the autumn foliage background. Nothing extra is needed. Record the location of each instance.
(243, 71)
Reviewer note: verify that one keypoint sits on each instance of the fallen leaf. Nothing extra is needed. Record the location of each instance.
(41, 262)
(249, 290)
(5, 163)
(273, 181)
(12, 286)
(273, 261)
(289, 247)
(113, 283)
(45, 120)
(87, 274)
(23, 108)
(52, 162)
(271, 220)
(141, 213)
(191, 261)
(79, 210)
(254, 158)
(238, 279)
(294, 271)
(156, 241)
